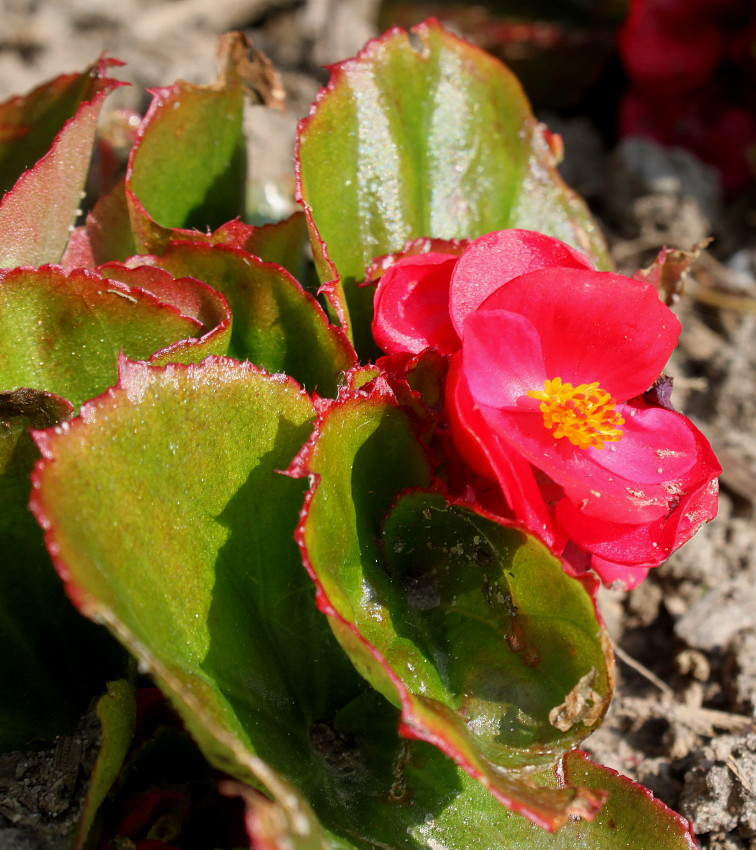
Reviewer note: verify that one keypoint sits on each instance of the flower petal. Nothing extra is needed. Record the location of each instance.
(493, 458)
(612, 574)
(620, 482)
(656, 445)
(502, 360)
(692, 502)
(594, 326)
(412, 305)
(492, 260)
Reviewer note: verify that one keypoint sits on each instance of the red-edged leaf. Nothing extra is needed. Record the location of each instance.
(106, 237)
(167, 519)
(277, 325)
(631, 816)
(190, 298)
(172, 474)
(456, 619)
(37, 213)
(63, 332)
(281, 242)
(30, 123)
(188, 167)
(434, 140)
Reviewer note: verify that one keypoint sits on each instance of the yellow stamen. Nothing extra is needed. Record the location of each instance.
(584, 414)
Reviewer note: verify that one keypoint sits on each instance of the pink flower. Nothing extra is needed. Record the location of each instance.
(549, 361)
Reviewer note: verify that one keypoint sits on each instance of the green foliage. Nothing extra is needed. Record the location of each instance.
(252, 511)
(429, 137)
(46, 686)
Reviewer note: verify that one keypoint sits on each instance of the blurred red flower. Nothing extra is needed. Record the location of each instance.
(692, 71)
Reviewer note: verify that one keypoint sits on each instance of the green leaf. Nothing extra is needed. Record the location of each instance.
(202, 581)
(416, 798)
(168, 516)
(63, 332)
(277, 325)
(478, 601)
(46, 687)
(432, 140)
(116, 711)
(494, 654)
(631, 817)
(51, 134)
(408, 795)
(188, 166)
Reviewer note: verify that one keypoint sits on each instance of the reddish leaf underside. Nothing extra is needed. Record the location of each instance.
(30, 123)
(190, 298)
(38, 212)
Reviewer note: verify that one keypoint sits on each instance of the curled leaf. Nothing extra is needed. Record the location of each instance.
(453, 618)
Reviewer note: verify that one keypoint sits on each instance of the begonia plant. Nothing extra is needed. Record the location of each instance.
(543, 350)
(352, 529)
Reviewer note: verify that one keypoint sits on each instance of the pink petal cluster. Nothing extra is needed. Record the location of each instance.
(547, 396)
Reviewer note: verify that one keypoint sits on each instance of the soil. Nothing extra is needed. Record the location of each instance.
(683, 721)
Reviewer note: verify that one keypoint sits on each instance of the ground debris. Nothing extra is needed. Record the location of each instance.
(41, 790)
(719, 791)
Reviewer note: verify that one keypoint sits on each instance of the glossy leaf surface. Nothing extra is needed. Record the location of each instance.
(203, 583)
(188, 166)
(201, 577)
(421, 800)
(406, 795)
(431, 140)
(454, 618)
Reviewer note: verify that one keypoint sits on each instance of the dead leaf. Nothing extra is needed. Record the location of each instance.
(240, 62)
(670, 268)
(581, 705)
